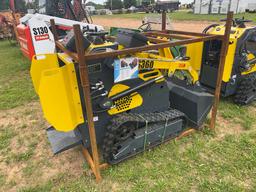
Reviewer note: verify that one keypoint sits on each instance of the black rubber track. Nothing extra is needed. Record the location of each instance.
(122, 126)
(246, 91)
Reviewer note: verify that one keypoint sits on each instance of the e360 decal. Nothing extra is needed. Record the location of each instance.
(146, 64)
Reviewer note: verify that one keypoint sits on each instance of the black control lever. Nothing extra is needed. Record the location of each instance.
(238, 22)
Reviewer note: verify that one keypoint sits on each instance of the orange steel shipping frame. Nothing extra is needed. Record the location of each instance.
(183, 38)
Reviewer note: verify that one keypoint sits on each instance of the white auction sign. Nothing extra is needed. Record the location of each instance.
(125, 69)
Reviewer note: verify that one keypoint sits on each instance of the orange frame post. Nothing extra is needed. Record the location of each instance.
(93, 162)
(223, 54)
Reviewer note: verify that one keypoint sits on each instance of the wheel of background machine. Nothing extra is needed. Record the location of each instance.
(246, 90)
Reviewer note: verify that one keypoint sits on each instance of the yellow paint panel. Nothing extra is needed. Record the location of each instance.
(59, 96)
(117, 88)
(168, 53)
(253, 69)
(39, 64)
(93, 46)
(250, 56)
(235, 35)
(195, 52)
(125, 103)
(229, 61)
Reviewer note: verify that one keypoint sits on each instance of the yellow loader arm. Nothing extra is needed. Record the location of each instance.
(153, 61)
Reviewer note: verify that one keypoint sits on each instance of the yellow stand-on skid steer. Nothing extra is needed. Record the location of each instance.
(239, 79)
(138, 100)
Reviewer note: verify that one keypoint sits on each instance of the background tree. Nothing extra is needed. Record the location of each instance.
(129, 3)
(33, 5)
(97, 6)
(4, 4)
(116, 4)
(21, 6)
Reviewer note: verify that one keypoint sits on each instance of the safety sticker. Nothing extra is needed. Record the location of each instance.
(96, 118)
(126, 68)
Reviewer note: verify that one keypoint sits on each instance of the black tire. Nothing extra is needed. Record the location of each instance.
(246, 90)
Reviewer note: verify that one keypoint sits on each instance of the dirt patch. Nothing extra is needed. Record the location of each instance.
(252, 109)
(29, 159)
(225, 127)
(194, 26)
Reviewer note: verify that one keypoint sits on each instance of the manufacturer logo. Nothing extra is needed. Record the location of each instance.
(41, 37)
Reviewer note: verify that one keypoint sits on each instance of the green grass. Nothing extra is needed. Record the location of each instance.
(24, 156)
(40, 188)
(15, 85)
(182, 15)
(6, 134)
(197, 162)
(237, 114)
(2, 179)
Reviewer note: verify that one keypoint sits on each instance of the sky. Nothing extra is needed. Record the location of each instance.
(101, 1)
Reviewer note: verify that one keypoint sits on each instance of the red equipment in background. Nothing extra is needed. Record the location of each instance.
(67, 9)
(12, 5)
(25, 40)
(8, 22)
(30, 31)
(80, 13)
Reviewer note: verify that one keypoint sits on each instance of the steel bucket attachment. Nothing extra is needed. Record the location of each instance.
(192, 100)
(62, 141)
